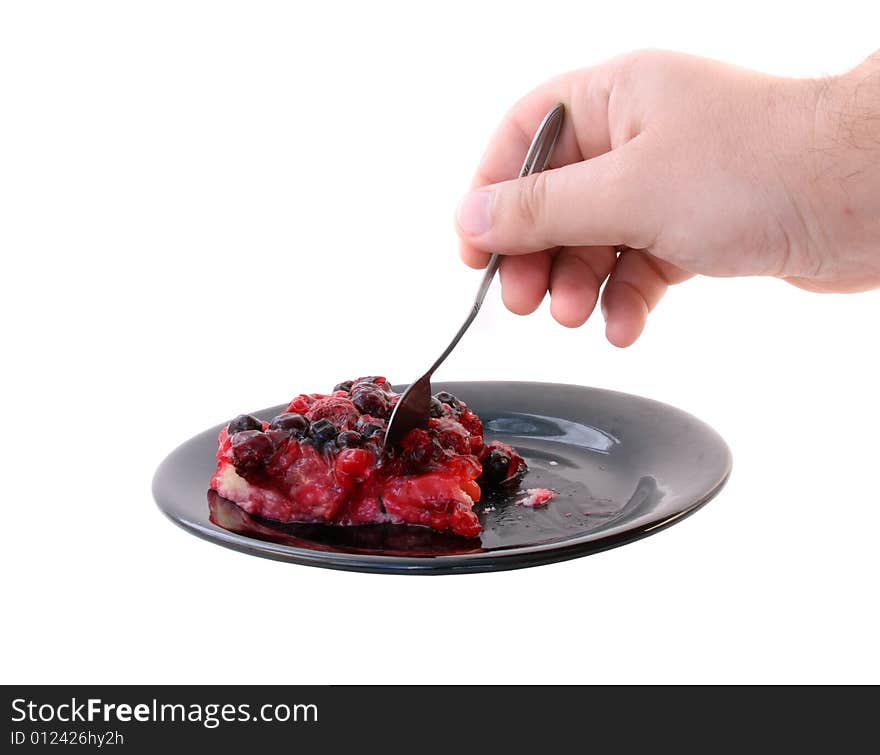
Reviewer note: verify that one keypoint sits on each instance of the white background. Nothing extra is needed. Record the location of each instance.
(209, 207)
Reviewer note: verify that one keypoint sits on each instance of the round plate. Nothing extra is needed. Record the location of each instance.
(622, 466)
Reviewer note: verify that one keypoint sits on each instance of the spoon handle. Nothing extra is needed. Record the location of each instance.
(536, 160)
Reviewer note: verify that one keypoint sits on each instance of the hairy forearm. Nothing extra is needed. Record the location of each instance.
(842, 181)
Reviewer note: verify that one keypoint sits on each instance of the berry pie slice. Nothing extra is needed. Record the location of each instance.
(322, 461)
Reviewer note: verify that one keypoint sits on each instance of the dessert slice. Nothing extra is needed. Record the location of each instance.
(322, 461)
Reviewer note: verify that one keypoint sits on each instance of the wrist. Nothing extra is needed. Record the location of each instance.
(842, 164)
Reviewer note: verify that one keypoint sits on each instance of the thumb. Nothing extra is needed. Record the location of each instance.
(591, 203)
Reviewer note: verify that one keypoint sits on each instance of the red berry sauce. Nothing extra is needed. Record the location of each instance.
(323, 461)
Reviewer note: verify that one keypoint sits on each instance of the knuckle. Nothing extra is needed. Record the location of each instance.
(637, 59)
(640, 68)
(649, 57)
(532, 199)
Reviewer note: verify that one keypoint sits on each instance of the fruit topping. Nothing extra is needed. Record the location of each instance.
(250, 451)
(291, 422)
(371, 399)
(322, 431)
(354, 461)
(244, 422)
(496, 466)
(444, 397)
(323, 461)
(367, 427)
(349, 439)
(436, 407)
(340, 411)
(502, 466)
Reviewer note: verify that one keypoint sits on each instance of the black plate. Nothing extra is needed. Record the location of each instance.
(623, 467)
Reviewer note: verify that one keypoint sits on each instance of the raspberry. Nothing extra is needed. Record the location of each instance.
(340, 411)
(301, 404)
(451, 435)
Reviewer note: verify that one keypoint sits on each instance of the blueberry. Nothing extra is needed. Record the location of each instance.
(436, 407)
(496, 466)
(349, 439)
(444, 397)
(292, 423)
(420, 454)
(369, 429)
(250, 450)
(343, 386)
(322, 431)
(375, 447)
(243, 422)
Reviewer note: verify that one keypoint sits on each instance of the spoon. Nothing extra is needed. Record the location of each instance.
(414, 407)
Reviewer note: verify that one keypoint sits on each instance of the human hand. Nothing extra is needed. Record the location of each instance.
(670, 166)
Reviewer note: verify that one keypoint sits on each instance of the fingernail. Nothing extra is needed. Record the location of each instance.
(473, 213)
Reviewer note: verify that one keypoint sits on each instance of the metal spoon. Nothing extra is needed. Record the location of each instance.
(414, 407)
